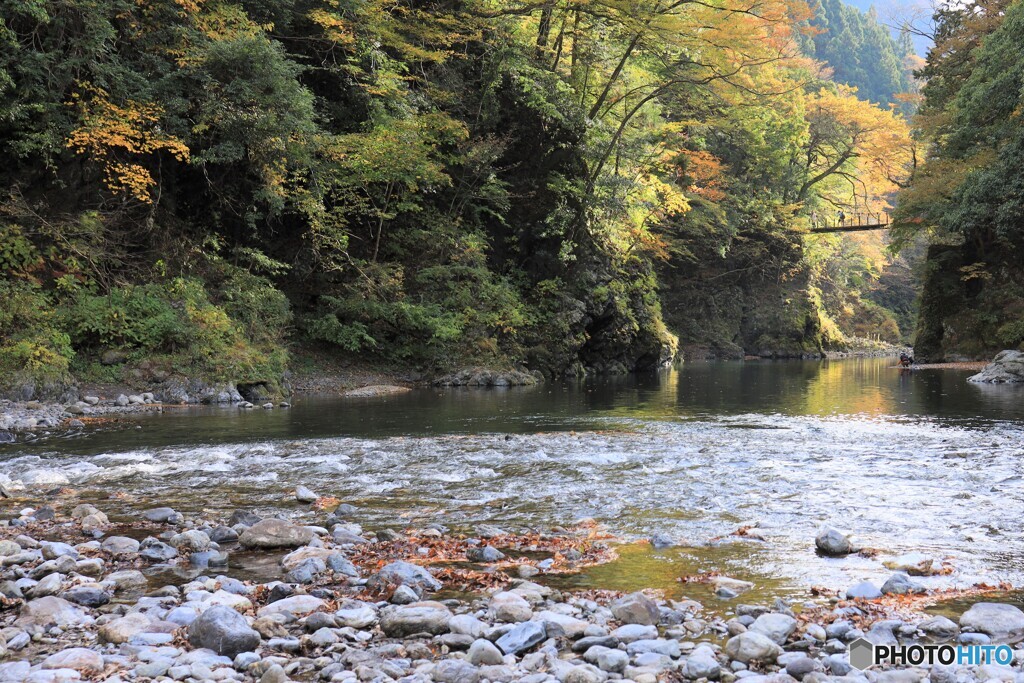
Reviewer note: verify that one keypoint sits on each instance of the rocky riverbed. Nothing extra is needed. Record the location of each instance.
(29, 420)
(85, 599)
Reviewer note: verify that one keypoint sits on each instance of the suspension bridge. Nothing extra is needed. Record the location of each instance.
(854, 223)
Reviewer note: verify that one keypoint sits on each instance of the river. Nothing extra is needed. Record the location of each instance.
(909, 461)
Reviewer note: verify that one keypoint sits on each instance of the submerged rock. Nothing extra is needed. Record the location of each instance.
(831, 541)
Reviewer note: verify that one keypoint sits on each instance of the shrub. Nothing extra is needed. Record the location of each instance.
(33, 347)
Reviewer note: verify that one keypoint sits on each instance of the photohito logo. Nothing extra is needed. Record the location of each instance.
(864, 654)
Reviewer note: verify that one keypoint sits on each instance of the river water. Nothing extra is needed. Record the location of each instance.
(910, 461)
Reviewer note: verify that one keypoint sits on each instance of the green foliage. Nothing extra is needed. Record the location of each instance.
(969, 195)
(426, 182)
(33, 346)
(861, 51)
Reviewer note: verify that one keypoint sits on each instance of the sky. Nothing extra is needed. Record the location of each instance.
(896, 13)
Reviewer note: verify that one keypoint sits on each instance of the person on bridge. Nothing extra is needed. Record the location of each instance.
(842, 217)
(814, 219)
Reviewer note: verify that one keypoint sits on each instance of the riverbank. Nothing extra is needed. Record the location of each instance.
(154, 599)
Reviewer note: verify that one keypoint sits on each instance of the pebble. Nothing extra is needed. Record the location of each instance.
(310, 627)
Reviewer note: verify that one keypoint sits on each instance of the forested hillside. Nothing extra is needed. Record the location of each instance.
(862, 52)
(967, 198)
(193, 187)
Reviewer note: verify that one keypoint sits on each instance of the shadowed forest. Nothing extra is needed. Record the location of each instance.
(212, 188)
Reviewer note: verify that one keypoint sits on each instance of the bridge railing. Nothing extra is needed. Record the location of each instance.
(856, 220)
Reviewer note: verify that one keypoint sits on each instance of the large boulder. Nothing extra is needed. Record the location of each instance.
(1003, 623)
(123, 629)
(1006, 368)
(224, 631)
(275, 533)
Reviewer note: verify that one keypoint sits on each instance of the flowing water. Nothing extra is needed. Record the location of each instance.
(910, 461)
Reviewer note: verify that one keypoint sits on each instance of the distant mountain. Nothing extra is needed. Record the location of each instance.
(862, 51)
(895, 14)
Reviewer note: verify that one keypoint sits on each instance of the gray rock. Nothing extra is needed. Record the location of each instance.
(275, 533)
(509, 607)
(243, 517)
(48, 585)
(636, 608)
(339, 564)
(157, 551)
(78, 659)
(661, 646)
(306, 571)
(274, 674)
(1006, 368)
(224, 631)
(865, 590)
(838, 664)
(522, 637)
(467, 624)
(900, 584)
(751, 646)
(455, 671)
(484, 553)
(304, 495)
(1003, 623)
(52, 611)
(483, 653)
(398, 621)
(883, 632)
(661, 541)
(778, 627)
(223, 534)
(127, 580)
(52, 551)
(702, 663)
(343, 536)
(296, 604)
(164, 514)
(939, 629)
(87, 596)
(120, 545)
(192, 540)
(404, 595)
(801, 666)
(14, 672)
(405, 574)
(607, 659)
(630, 632)
(208, 558)
(830, 541)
